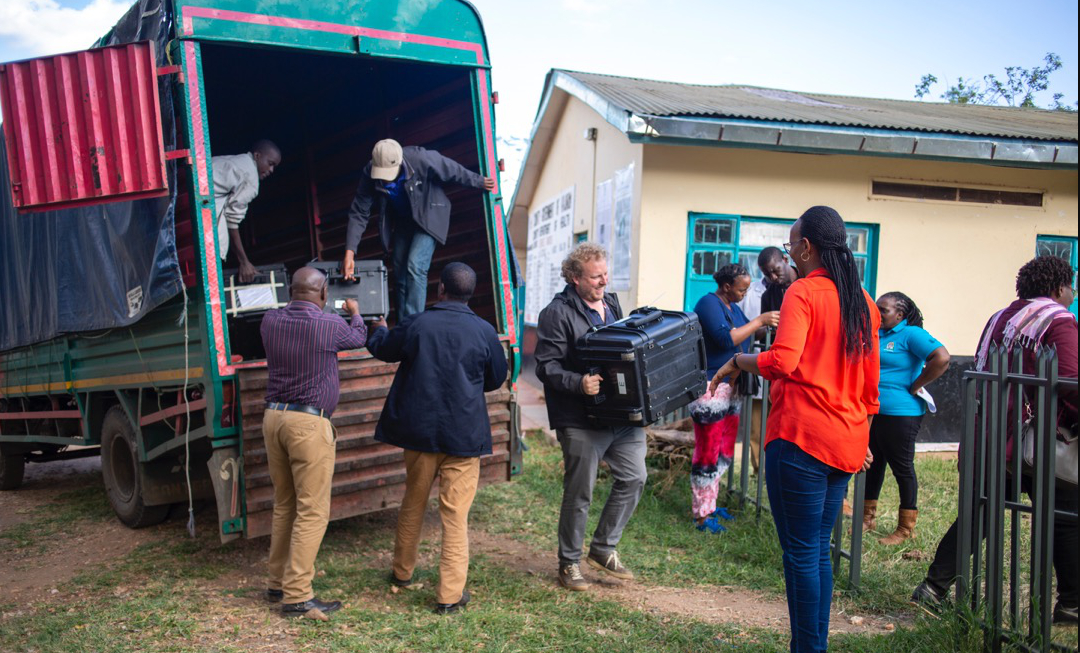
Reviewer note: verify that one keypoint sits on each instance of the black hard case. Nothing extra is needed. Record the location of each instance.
(273, 277)
(369, 288)
(652, 363)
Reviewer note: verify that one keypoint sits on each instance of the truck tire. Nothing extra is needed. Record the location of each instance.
(120, 469)
(12, 466)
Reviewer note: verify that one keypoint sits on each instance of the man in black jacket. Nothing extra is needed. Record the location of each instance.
(437, 412)
(582, 305)
(413, 208)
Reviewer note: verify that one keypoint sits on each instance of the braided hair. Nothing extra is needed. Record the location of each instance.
(907, 306)
(824, 228)
(729, 273)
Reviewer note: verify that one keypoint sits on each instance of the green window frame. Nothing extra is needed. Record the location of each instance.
(716, 239)
(1063, 247)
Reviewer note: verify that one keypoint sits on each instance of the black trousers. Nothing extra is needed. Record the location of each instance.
(943, 571)
(892, 442)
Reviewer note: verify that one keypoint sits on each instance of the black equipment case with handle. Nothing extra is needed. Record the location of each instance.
(368, 289)
(652, 363)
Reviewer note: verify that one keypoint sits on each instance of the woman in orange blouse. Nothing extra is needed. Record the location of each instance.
(824, 368)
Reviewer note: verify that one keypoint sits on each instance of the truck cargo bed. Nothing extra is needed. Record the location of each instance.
(368, 475)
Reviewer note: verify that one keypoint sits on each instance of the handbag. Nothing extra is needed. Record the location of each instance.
(1065, 460)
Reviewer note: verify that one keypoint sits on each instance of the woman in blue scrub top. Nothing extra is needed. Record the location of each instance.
(910, 359)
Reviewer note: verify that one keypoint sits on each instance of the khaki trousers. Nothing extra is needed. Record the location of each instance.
(458, 478)
(300, 454)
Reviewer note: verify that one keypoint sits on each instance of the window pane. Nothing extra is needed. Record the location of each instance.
(764, 234)
(857, 239)
(749, 261)
(860, 263)
(708, 262)
(714, 232)
(1058, 248)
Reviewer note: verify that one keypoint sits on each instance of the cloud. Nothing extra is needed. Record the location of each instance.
(43, 27)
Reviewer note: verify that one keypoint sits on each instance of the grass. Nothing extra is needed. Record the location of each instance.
(68, 508)
(182, 595)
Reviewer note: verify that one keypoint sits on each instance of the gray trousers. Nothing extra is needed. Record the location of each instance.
(623, 448)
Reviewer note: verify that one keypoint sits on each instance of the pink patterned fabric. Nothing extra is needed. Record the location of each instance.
(714, 448)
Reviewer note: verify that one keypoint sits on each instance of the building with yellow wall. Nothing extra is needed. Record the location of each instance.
(944, 202)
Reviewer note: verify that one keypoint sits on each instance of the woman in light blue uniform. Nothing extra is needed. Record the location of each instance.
(910, 359)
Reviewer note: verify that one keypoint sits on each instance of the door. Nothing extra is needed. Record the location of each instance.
(1063, 247)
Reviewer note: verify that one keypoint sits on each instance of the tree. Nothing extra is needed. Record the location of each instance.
(1016, 89)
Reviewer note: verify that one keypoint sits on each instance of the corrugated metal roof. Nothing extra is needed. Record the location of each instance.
(657, 98)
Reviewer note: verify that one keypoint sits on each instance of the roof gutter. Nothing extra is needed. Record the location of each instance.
(825, 139)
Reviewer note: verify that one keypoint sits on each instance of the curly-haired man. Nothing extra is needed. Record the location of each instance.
(582, 305)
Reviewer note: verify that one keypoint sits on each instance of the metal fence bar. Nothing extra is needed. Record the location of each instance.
(1043, 498)
(967, 495)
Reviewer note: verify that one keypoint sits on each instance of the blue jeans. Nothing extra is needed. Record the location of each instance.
(411, 258)
(805, 495)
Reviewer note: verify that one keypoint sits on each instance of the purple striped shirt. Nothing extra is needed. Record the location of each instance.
(301, 345)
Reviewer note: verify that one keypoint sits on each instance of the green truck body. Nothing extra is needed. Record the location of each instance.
(175, 400)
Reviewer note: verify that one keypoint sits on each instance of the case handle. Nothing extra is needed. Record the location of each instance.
(643, 316)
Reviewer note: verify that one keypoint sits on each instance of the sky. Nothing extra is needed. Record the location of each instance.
(872, 49)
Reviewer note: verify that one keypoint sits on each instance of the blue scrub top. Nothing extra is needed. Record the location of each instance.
(904, 349)
(717, 321)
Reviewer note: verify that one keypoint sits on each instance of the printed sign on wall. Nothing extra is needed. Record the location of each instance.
(605, 199)
(551, 232)
(622, 229)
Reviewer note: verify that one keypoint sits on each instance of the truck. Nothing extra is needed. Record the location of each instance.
(116, 339)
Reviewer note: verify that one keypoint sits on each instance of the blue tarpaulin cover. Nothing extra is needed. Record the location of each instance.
(96, 267)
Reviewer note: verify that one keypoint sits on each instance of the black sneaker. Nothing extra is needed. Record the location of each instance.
(300, 609)
(394, 580)
(610, 563)
(451, 608)
(1064, 615)
(570, 577)
(928, 598)
(274, 596)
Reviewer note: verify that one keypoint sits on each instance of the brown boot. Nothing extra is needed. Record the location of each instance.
(869, 515)
(847, 509)
(905, 528)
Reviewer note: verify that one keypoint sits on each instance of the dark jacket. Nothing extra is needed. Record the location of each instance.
(558, 367)
(449, 358)
(426, 173)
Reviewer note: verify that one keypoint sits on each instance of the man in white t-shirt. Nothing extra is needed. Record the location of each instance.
(236, 184)
(751, 303)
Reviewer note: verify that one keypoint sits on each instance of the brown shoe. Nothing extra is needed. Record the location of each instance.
(905, 528)
(609, 563)
(570, 577)
(848, 511)
(869, 515)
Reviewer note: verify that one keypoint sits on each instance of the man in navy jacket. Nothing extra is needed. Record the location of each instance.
(437, 412)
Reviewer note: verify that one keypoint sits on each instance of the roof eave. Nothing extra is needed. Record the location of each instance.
(825, 139)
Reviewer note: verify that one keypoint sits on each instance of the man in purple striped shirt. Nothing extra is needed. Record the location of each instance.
(302, 388)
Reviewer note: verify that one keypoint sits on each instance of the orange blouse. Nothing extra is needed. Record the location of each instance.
(820, 396)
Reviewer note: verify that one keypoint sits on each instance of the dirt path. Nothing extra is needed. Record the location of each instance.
(726, 605)
(34, 573)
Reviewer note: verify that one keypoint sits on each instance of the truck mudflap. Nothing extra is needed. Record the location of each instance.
(368, 476)
(225, 473)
